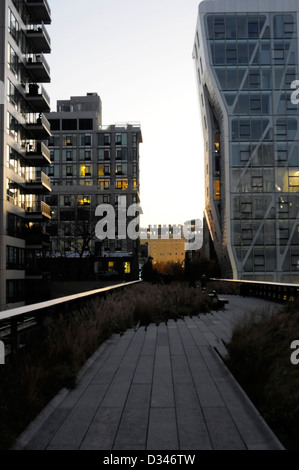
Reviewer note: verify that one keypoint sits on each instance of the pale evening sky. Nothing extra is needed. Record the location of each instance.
(137, 55)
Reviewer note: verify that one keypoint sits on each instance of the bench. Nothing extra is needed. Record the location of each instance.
(220, 302)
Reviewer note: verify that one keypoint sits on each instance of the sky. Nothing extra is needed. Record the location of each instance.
(137, 55)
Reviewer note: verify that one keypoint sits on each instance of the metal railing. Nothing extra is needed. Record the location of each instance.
(16, 324)
(274, 291)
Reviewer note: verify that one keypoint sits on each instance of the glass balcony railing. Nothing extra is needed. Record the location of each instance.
(39, 10)
(38, 68)
(38, 209)
(38, 154)
(39, 38)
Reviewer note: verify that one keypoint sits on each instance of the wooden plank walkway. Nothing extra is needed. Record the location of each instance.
(158, 388)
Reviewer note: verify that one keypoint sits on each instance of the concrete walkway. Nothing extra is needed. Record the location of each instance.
(157, 388)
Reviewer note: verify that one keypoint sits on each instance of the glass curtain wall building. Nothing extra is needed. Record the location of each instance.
(246, 57)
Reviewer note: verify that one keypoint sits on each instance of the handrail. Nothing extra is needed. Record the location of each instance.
(275, 291)
(18, 322)
(19, 311)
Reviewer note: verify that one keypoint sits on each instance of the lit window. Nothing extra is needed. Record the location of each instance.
(127, 267)
(122, 184)
(101, 170)
(85, 170)
(110, 266)
(83, 200)
(217, 189)
(103, 184)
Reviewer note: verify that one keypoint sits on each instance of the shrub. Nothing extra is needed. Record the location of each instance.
(259, 358)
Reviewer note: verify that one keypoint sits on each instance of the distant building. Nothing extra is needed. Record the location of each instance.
(165, 244)
(246, 59)
(92, 165)
(23, 154)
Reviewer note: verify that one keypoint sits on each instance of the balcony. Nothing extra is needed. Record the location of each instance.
(39, 10)
(39, 39)
(38, 211)
(35, 239)
(39, 185)
(39, 130)
(39, 155)
(40, 102)
(38, 69)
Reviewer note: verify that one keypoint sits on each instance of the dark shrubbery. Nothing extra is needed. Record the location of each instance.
(260, 360)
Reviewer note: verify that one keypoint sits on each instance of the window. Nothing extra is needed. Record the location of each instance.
(231, 55)
(294, 182)
(122, 153)
(69, 124)
(13, 26)
(12, 126)
(103, 184)
(87, 155)
(103, 139)
(103, 199)
(85, 124)
(122, 184)
(110, 266)
(15, 226)
(104, 154)
(69, 139)
(259, 262)
(255, 104)
(127, 267)
(15, 258)
(55, 124)
(121, 169)
(15, 290)
(217, 189)
(83, 200)
(244, 130)
(121, 139)
(278, 54)
(254, 80)
(257, 183)
(85, 140)
(13, 63)
(253, 28)
(103, 170)
(85, 170)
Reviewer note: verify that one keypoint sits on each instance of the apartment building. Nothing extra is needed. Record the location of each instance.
(246, 61)
(24, 44)
(92, 165)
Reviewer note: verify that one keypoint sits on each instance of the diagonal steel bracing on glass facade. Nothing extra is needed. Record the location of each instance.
(246, 57)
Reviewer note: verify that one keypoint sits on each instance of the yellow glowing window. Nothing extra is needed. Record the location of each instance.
(127, 267)
(103, 184)
(83, 200)
(134, 184)
(122, 184)
(101, 170)
(110, 265)
(217, 189)
(85, 170)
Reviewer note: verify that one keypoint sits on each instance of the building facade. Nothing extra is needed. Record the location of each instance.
(165, 244)
(23, 154)
(92, 165)
(246, 58)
